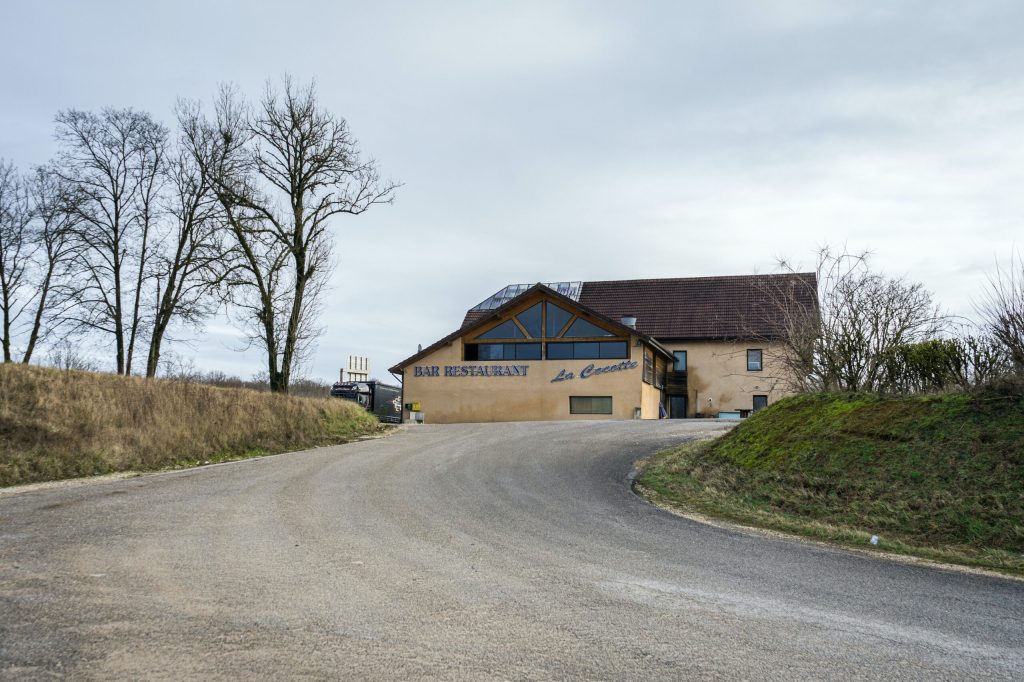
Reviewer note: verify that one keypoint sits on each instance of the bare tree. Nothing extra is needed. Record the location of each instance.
(281, 171)
(113, 160)
(841, 344)
(16, 250)
(194, 262)
(1002, 310)
(54, 219)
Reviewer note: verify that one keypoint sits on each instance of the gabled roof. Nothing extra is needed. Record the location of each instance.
(734, 307)
(487, 316)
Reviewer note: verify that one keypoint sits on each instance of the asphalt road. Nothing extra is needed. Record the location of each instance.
(502, 551)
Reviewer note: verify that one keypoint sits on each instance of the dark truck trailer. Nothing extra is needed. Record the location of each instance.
(382, 400)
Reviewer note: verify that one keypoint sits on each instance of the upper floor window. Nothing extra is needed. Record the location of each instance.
(754, 360)
(588, 350)
(583, 328)
(506, 330)
(502, 351)
(680, 361)
(532, 322)
(542, 321)
(556, 319)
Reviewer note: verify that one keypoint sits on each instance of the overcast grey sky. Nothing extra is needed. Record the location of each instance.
(542, 141)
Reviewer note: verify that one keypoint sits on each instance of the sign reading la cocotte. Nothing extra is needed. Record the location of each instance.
(590, 370)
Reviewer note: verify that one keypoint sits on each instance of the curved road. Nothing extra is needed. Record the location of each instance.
(508, 551)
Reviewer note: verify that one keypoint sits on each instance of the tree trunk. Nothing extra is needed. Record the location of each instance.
(7, 321)
(37, 321)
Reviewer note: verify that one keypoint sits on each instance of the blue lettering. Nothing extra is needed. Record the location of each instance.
(591, 370)
(562, 376)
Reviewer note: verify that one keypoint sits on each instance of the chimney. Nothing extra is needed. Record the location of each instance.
(629, 321)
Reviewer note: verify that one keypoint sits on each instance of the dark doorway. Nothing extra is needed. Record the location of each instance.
(677, 407)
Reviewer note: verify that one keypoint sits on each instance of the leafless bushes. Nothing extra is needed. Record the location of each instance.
(878, 334)
(861, 317)
(183, 370)
(962, 362)
(1002, 310)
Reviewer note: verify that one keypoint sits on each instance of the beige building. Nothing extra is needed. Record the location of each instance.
(626, 349)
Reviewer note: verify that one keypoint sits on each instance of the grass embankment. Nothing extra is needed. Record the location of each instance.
(58, 424)
(940, 477)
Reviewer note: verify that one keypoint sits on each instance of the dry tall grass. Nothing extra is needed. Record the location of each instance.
(59, 424)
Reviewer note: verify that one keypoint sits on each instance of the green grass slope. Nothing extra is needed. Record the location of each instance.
(937, 476)
(58, 424)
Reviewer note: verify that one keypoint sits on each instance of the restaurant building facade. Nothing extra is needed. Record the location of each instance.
(624, 349)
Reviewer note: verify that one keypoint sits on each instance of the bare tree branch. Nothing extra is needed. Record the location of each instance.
(281, 171)
(1002, 309)
(842, 343)
(114, 161)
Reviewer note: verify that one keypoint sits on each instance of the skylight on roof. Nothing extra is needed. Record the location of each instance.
(570, 289)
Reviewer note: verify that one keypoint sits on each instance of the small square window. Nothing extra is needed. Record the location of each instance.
(754, 357)
(760, 402)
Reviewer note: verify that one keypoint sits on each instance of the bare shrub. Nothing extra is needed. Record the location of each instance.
(67, 355)
(964, 362)
(1002, 310)
(861, 317)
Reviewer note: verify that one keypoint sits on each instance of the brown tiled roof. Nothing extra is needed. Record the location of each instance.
(741, 306)
(474, 315)
(702, 307)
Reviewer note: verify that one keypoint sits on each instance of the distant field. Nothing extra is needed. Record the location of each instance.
(61, 424)
(939, 476)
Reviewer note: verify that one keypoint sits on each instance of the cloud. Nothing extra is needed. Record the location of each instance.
(544, 141)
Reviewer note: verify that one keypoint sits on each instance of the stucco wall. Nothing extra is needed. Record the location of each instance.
(447, 399)
(718, 370)
(650, 398)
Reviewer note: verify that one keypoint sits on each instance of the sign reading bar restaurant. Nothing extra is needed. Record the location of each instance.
(471, 370)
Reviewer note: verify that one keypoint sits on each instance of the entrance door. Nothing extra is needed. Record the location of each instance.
(677, 407)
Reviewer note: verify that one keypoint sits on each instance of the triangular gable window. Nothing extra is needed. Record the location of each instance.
(530, 319)
(505, 330)
(557, 319)
(581, 328)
